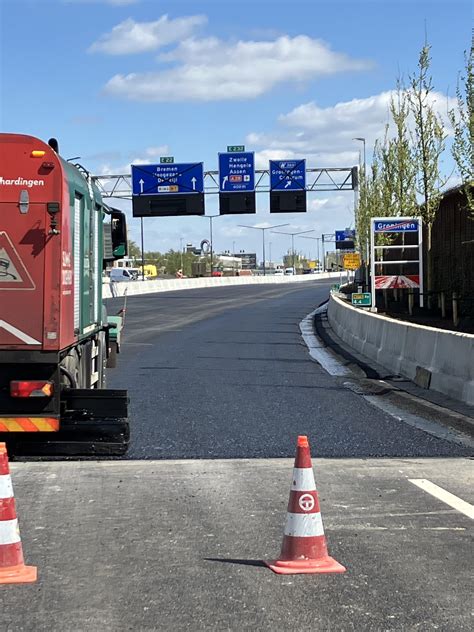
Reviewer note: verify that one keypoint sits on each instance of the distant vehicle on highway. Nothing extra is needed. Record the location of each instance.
(279, 272)
(289, 271)
(217, 273)
(121, 274)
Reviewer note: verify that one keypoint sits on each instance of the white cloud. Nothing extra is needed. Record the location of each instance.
(131, 37)
(325, 135)
(213, 70)
(113, 162)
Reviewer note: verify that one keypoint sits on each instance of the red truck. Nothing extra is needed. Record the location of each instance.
(56, 234)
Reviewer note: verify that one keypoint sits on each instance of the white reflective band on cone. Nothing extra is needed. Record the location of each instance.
(6, 489)
(304, 525)
(303, 480)
(9, 532)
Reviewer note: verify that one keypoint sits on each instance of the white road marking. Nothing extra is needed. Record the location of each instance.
(446, 497)
(318, 352)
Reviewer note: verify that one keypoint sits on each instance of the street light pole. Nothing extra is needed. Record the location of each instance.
(367, 256)
(212, 246)
(263, 229)
(301, 232)
(210, 218)
(317, 240)
(143, 251)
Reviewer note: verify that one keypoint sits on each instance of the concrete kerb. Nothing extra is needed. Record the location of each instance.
(403, 347)
(171, 285)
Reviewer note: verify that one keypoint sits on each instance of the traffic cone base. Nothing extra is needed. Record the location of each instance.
(295, 567)
(18, 574)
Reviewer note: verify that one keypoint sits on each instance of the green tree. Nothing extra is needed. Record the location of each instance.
(462, 121)
(401, 157)
(428, 143)
(134, 251)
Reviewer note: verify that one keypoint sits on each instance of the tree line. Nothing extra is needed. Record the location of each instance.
(405, 168)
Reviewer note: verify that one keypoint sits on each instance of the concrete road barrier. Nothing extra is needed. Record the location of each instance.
(168, 285)
(406, 348)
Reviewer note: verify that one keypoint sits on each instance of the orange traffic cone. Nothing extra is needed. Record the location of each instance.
(12, 566)
(304, 547)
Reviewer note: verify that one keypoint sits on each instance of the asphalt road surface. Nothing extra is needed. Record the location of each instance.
(224, 373)
(173, 537)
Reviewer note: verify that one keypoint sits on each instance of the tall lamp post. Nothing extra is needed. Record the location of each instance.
(362, 140)
(210, 218)
(293, 235)
(317, 240)
(263, 229)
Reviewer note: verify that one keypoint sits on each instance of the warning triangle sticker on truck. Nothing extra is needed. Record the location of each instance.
(13, 273)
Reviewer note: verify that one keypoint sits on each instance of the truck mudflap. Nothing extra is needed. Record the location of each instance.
(94, 422)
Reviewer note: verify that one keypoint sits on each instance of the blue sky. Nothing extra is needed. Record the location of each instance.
(129, 80)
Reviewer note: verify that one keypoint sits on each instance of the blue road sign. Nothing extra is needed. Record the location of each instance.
(236, 172)
(287, 175)
(166, 179)
(391, 226)
(342, 235)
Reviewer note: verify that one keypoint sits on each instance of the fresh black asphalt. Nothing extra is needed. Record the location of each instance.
(223, 373)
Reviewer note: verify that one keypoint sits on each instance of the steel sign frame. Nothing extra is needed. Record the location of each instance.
(317, 180)
(396, 225)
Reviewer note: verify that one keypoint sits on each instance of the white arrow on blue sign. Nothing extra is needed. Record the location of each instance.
(237, 172)
(288, 175)
(167, 179)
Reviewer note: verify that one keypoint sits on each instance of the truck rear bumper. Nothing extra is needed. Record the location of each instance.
(29, 424)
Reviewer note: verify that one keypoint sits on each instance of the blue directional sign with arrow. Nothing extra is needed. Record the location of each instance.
(287, 175)
(236, 172)
(168, 179)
